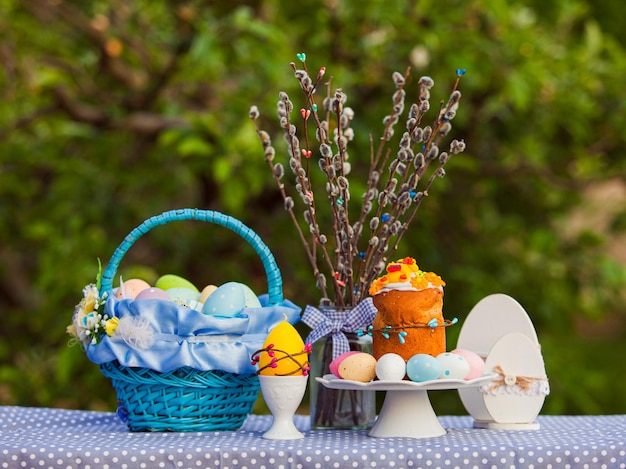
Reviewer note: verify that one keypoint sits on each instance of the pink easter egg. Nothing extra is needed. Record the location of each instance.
(152, 293)
(477, 365)
(334, 365)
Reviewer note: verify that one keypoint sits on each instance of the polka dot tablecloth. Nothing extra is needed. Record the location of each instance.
(56, 438)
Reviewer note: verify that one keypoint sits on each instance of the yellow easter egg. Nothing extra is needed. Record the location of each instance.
(206, 292)
(283, 352)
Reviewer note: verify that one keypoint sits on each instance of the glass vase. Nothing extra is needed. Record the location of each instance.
(338, 409)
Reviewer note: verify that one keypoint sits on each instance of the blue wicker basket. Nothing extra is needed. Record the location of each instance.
(186, 399)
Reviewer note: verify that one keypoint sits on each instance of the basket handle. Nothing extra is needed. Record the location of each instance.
(274, 279)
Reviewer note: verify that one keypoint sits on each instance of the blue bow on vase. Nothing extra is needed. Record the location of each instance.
(337, 322)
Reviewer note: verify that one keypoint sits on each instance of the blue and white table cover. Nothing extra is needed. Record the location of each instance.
(57, 438)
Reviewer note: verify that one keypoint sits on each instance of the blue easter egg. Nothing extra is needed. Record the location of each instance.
(184, 296)
(423, 367)
(230, 299)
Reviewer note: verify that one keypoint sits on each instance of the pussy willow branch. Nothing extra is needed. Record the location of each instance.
(305, 184)
(398, 198)
(430, 148)
(266, 142)
(337, 195)
(376, 167)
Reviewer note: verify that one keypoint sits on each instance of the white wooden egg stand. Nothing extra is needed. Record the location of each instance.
(497, 329)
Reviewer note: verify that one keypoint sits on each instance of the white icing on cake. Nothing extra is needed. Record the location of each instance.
(405, 286)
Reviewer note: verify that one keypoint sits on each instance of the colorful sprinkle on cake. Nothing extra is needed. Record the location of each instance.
(405, 274)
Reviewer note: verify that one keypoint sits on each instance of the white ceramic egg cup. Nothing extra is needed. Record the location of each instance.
(283, 395)
(407, 411)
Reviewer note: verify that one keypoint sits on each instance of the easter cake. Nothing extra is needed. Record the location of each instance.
(410, 318)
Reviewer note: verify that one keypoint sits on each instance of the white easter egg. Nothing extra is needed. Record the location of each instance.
(476, 363)
(390, 367)
(453, 366)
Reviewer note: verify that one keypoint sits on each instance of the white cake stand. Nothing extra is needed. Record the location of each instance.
(407, 411)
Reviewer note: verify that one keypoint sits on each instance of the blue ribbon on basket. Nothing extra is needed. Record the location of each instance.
(337, 323)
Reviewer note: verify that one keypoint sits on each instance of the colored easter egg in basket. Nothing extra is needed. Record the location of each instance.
(230, 299)
(152, 293)
(476, 363)
(283, 352)
(390, 367)
(184, 296)
(358, 367)
(131, 288)
(423, 367)
(453, 366)
(206, 292)
(168, 281)
(334, 365)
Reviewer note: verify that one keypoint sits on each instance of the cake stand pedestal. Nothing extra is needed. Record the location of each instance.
(407, 411)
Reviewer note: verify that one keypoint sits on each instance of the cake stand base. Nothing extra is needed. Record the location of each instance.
(506, 426)
(407, 411)
(407, 414)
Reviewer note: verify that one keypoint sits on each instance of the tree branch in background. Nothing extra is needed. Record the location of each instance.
(112, 64)
(141, 85)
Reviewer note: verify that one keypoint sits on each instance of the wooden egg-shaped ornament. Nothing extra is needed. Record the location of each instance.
(283, 353)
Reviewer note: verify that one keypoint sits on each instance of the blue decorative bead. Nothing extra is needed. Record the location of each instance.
(401, 336)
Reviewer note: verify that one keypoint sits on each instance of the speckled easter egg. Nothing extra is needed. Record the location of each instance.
(152, 293)
(168, 281)
(390, 367)
(476, 364)
(358, 367)
(184, 296)
(283, 352)
(423, 367)
(334, 365)
(131, 288)
(230, 299)
(453, 366)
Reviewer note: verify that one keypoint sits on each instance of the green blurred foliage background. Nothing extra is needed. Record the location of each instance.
(115, 111)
